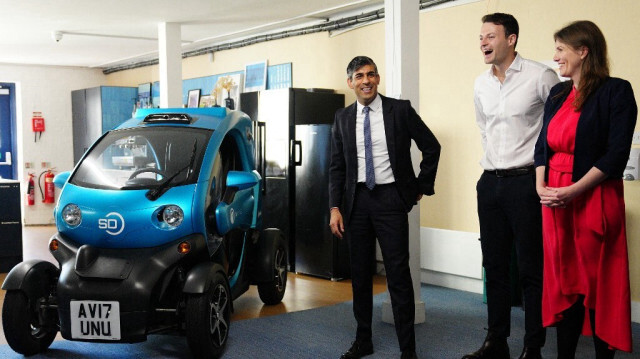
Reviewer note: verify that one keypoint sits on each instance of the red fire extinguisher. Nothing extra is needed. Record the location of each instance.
(30, 191)
(49, 189)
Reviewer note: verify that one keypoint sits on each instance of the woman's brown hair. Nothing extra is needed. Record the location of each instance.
(595, 68)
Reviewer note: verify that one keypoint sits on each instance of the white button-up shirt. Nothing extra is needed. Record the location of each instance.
(509, 114)
(381, 164)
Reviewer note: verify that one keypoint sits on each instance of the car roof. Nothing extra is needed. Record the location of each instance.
(208, 118)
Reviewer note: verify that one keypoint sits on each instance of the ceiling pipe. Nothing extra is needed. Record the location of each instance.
(57, 36)
(334, 25)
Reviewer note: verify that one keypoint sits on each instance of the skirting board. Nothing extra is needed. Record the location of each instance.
(453, 259)
(451, 252)
(451, 281)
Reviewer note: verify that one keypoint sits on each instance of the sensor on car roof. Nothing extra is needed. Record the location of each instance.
(168, 118)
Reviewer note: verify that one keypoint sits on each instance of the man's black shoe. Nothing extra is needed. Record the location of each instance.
(358, 350)
(491, 349)
(409, 354)
(530, 353)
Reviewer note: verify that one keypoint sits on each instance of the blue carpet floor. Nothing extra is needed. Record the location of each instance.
(454, 326)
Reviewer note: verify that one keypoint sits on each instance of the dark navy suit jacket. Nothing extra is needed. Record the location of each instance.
(605, 128)
(401, 124)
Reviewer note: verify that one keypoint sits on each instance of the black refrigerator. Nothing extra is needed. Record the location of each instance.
(10, 225)
(296, 127)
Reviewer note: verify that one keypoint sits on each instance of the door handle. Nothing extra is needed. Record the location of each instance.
(8, 159)
(261, 152)
(296, 145)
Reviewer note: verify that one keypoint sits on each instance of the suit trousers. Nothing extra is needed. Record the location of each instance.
(381, 213)
(509, 211)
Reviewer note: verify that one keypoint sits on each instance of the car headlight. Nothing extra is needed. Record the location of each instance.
(172, 215)
(72, 215)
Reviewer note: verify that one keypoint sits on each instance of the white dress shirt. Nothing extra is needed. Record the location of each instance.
(381, 164)
(509, 114)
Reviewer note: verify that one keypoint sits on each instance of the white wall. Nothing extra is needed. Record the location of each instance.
(45, 89)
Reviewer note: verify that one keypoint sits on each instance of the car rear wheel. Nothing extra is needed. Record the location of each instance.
(208, 318)
(271, 292)
(22, 328)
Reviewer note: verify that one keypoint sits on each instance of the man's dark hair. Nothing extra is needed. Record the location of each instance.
(509, 23)
(357, 63)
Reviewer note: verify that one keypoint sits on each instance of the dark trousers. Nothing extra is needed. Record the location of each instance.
(570, 328)
(509, 211)
(380, 213)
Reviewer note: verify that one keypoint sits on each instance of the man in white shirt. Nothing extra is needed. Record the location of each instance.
(509, 101)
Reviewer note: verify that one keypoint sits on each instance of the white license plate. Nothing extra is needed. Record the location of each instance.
(92, 319)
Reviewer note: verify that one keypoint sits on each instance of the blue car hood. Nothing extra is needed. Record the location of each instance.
(124, 218)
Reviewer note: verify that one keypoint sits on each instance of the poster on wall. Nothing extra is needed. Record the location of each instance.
(155, 94)
(279, 76)
(144, 96)
(255, 76)
(194, 98)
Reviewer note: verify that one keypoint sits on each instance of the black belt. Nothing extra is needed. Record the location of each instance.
(512, 172)
(381, 185)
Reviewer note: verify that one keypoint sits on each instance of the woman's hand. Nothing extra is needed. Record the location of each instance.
(557, 196)
(548, 195)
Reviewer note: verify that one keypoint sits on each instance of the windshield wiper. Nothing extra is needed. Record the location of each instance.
(163, 187)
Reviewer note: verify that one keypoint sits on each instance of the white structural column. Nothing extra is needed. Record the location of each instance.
(170, 58)
(401, 76)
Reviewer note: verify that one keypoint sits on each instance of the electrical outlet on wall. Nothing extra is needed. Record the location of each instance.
(636, 138)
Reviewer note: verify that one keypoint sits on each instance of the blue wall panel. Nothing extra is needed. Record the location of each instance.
(278, 76)
(117, 105)
(204, 84)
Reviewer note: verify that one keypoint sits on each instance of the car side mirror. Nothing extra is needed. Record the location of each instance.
(242, 180)
(61, 178)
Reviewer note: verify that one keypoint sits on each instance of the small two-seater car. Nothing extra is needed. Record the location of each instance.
(159, 230)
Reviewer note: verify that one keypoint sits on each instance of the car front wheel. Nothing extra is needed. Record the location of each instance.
(208, 318)
(22, 328)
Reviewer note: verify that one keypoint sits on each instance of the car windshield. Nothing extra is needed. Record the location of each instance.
(143, 158)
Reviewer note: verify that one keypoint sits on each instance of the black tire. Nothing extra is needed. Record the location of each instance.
(271, 292)
(22, 329)
(208, 318)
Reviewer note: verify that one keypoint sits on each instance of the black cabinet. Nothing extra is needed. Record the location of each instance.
(10, 226)
(97, 110)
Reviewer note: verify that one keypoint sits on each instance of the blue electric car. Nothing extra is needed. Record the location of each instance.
(159, 231)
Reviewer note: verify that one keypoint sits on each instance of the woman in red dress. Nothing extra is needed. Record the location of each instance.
(580, 158)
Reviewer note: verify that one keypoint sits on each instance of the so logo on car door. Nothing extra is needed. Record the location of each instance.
(113, 223)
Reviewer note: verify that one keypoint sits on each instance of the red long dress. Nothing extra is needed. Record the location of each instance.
(585, 244)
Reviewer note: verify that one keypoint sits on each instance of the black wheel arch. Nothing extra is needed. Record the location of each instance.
(198, 279)
(33, 277)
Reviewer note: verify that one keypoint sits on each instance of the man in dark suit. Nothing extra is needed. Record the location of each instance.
(372, 187)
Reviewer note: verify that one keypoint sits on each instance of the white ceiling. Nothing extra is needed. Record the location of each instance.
(107, 33)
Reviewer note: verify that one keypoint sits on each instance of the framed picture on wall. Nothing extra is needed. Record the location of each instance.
(206, 101)
(255, 76)
(194, 98)
(144, 95)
